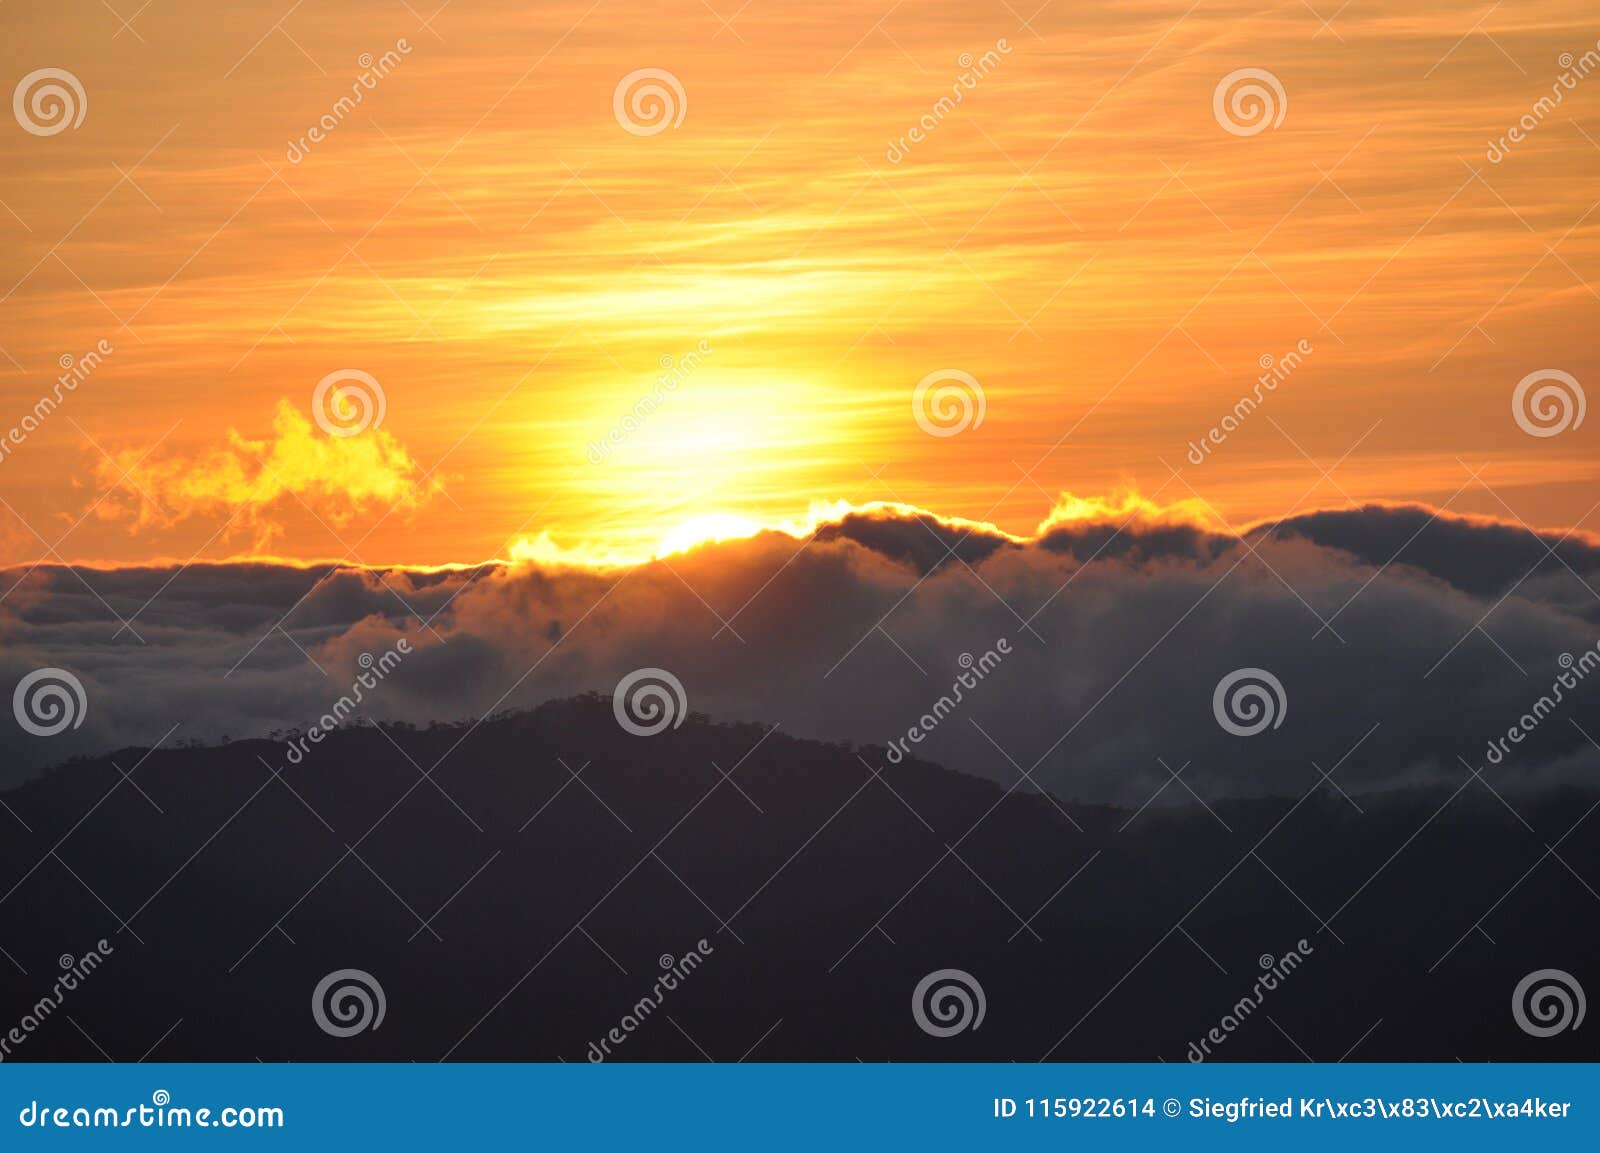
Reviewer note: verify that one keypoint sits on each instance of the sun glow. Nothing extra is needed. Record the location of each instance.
(712, 528)
(719, 527)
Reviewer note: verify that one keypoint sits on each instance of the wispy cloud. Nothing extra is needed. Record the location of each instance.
(251, 484)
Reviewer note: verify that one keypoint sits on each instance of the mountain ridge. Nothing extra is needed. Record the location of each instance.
(515, 902)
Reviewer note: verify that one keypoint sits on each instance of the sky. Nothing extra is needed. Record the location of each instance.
(1089, 248)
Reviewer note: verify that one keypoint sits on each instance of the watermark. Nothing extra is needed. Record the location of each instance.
(48, 101)
(75, 370)
(1576, 669)
(1249, 701)
(674, 371)
(377, 669)
(373, 69)
(347, 402)
(1277, 969)
(1273, 373)
(947, 402)
(1547, 1002)
(1248, 101)
(977, 669)
(974, 69)
(159, 1114)
(49, 701)
(1574, 69)
(347, 1002)
(648, 701)
(648, 101)
(76, 970)
(676, 970)
(947, 1002)
(1548, 402)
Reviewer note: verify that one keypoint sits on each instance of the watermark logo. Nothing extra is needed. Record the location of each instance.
(674, 971)
(1573, 69)
(74, 970)
(160, 1113)
(48, 101)
(373, 69)
(947, 402)
(1248, 101)
(1275, 970)
(1547, 1002)
(374, 671)
(973, 69)
(1273, 373)
(947, 1002)
(49, 701)
(74, 371)
(648, 101)
(347, 402)
(1574, 671)
(674, 371)
(1249, 701)
(347, 1002)
(976, 669)
(1548, 402)
(648, 701)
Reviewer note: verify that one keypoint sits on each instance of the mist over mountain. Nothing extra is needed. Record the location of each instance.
(1414, 638)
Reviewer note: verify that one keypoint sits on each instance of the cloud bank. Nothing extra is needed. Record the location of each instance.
(1406, 643)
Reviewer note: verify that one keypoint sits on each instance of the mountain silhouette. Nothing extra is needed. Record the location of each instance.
(515, 886)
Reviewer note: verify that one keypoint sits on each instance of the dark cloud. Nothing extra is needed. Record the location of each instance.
(1481, 557)
(1135, 542)
(923, 541)
(1102, 689)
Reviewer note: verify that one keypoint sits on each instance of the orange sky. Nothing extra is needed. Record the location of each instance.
(479, 234)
